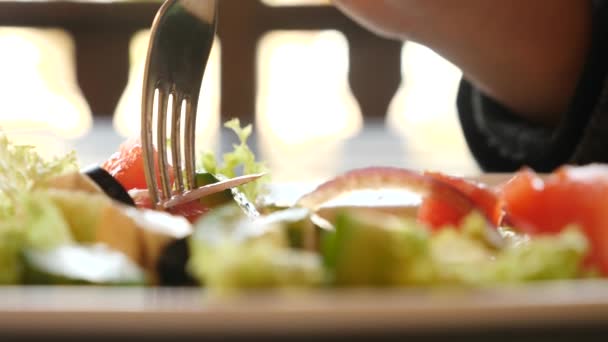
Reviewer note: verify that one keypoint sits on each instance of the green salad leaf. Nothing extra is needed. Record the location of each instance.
(230, 252)
(42, 222)
(374, 249)
(242, 157)
(11, 241)
(261, 265)
(381, 250)
(21, 169)
(26, 219)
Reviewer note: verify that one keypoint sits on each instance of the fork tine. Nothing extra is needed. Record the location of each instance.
(147, 140)
(189, 140)
(161, 137)
(176, 141)
(182, 35)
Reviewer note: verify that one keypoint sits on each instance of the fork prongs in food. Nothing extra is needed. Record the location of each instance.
(169, 103)
(161, 141)
(209, 189)
(176, 143)
(182, 144)
(181, 39)
(190, 139)
(147, 140)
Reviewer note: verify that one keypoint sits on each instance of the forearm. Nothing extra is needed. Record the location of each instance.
(526, 54)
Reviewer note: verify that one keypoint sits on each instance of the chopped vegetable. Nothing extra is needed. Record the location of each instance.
(21, 169)
(241, 157)
(437, 212)
(220, 198)
(54, 223)
(382, 250)
(382, 178)
(192, 211)
(127, 166)
(261, 265)
(23, 217)
(11, 242)
(230, 252)
(74, 264)
(571, 195)
(81, 211)
(377, 250)
(42, 222)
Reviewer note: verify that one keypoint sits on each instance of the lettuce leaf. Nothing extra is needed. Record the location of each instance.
(260, 265)
(240, 158)
(22, 169)
(231, 252)
(11, 241)
(382, 250)
(27, 220)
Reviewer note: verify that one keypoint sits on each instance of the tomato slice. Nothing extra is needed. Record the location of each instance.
(192, 211)
(571, 195)
(127, 165)
(437, 212)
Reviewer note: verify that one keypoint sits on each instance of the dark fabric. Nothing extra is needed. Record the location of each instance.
(501, 141)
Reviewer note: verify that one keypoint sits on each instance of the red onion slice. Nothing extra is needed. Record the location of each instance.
(374, 178)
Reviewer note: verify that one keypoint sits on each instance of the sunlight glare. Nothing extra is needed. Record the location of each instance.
(304, 102)
(303, 93)
(39, 85)
(424, 113)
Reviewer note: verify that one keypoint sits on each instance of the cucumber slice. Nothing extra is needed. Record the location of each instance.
(81, 265)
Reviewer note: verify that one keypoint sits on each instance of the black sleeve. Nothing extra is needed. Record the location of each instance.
(501, 141)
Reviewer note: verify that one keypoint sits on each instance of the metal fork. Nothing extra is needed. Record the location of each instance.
(181, 39)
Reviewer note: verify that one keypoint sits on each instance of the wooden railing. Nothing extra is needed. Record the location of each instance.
(102, 32)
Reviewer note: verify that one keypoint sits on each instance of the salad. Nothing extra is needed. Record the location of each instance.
(60, 224)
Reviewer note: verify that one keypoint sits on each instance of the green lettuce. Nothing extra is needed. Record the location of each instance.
(373, 249)
(240, 159)
(230, 252)
(11, 241)
(262, 265)
(27, 220)
(43, 223)
(22, 169)
(382, 250)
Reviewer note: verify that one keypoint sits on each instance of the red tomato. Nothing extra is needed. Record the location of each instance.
(482, 196)
(141, 198)
(192, 211)
(571, 195)
(127, 165)
(436, 213)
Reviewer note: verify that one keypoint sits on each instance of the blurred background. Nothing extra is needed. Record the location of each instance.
(324, 95)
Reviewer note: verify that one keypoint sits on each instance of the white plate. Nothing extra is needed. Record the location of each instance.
(79, 310)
